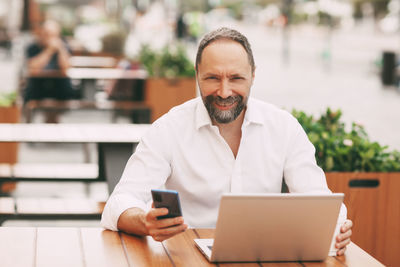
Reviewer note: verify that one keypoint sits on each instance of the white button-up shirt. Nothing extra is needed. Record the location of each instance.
(183, 151)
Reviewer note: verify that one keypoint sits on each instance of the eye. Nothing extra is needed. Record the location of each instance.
(211, 78)
(237, 78)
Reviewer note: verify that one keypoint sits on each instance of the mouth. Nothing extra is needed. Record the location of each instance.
(225, 107)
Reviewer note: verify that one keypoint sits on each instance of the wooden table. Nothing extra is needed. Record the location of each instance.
(93, 74)
(96, 247)
(72, 133)
(90, 75)
(93, 61)
(115, 142)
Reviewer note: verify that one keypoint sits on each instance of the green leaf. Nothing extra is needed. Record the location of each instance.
(333, 153)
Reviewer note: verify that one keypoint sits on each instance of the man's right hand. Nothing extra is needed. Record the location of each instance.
(163, 229)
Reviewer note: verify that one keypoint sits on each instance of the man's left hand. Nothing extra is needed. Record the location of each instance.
(343, 238)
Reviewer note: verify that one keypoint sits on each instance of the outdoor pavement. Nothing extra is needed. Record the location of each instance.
(309, 80)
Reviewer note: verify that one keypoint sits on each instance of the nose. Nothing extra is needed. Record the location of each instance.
(224, 90)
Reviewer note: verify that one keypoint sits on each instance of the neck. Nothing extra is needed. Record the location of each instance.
(232, 132)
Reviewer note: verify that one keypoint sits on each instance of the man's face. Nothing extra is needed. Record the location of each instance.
(224, 77)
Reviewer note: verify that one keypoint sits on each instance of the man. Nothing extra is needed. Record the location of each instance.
(221, 142)
(45, 57)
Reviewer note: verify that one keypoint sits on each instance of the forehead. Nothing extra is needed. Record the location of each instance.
(224, 53)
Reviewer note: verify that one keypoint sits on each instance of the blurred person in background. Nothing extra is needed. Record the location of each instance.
(47, 63)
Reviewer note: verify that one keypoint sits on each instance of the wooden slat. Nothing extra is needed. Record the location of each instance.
(40, 205)
(374, 210)
(6, 205)
(355, 256)
(92, 62)
(204, 233)
(105, 73)
(209, 233)
(388, 250)
(72, 133)
(17, 246)
(329, 262)
(144, 251)
(5, 170)
(102, 248)
(51, 104)
(281, 264)
(82, 205)
(45, 170)
(59, 247)
(183, 250)
(57, 206)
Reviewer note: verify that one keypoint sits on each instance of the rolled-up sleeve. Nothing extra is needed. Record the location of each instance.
(148, 168)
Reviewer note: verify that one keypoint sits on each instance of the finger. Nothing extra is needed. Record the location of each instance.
(164, 237)
(152, 205)
(154, 213)
(348, 224)
(341, 252)
(343, 236)
(169, 230)
(342, 244)
(164, 223)
(165, 233)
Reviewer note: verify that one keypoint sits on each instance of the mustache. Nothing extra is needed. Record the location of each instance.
(224, 101)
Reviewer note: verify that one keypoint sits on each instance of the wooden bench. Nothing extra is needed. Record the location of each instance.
(141, 110)
(49, 209)
(82, 172)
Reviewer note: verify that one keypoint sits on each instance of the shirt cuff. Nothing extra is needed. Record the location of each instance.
(340, 221)
(115, 206)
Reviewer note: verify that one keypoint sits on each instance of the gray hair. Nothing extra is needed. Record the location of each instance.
(225, 34)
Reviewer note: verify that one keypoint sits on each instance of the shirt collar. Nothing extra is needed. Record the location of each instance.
(253, 115)
(202, 117)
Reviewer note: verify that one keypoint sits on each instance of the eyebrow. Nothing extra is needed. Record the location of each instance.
(215, 74)
(236, 75)
(209, 74)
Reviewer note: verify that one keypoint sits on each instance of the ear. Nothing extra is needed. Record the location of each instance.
(253, 76)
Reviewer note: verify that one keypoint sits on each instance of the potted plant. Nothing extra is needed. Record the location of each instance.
(9, 113)
(369, 175)
(171, 78)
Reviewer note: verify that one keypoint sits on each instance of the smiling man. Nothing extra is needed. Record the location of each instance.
(223, 142)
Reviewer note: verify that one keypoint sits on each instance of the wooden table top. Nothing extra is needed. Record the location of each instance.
(72, 133)
(93, 61)
(97, 247)
(93, 74)
(105, 73)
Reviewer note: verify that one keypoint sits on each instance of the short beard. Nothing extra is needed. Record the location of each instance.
(224, 116)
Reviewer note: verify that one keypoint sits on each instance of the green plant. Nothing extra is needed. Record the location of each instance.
(169, 62)
(8, 99)
(341, 150)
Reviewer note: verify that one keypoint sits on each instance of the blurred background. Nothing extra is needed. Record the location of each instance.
(310, 55)
(333, 63)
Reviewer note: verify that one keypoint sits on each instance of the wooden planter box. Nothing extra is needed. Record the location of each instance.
(9, 151)
(373, 203)
(162, 94)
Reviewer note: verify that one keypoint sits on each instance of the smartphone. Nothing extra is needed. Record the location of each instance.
(167, 199)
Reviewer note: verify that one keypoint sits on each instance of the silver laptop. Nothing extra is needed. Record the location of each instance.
(273, 227)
